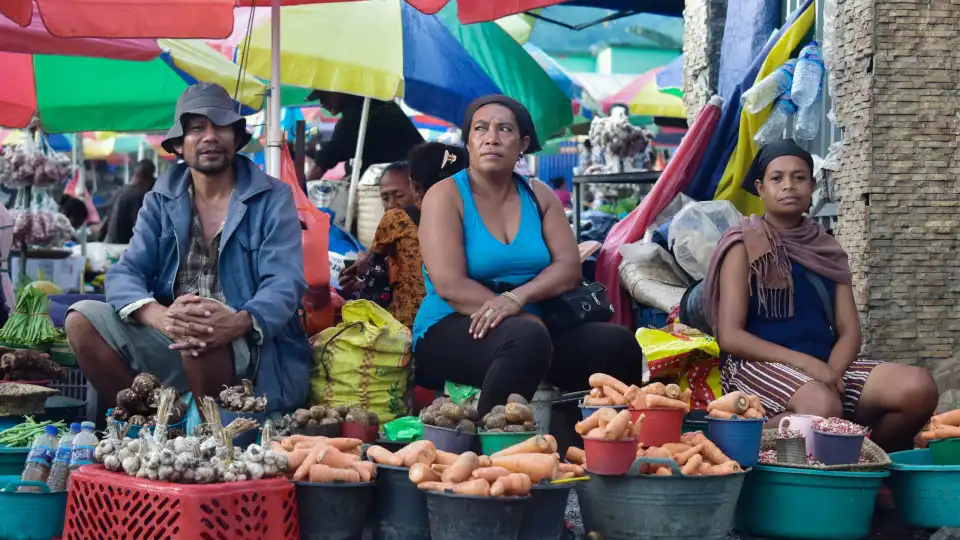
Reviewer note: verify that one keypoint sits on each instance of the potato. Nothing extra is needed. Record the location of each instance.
(529, 426)
(317, 412)
(471, 414)
(495, 430)
(452, 411)
(517, 398)
(312, 423)
(343, 410)
(329, 421)
(301, 417)
(373, 419)
(494, 421)
(498, 409)
(356, 416)
(467, 426)
(518, 414)
(444, 422)
(514, 428)
(428, 418)
(332, 414)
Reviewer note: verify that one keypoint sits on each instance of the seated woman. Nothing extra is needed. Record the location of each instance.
(780, 301)
(481, 231)
(397, 238)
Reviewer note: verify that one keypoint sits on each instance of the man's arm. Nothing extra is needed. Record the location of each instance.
(127, 281)
(282, 281)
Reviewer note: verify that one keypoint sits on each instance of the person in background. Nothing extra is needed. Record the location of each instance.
(397, 237)
(118, 228)
(209, 289)
(779, 298)
(75, 210)
(490, 259)
(390, 133)
(559, 185)
(6, 244)
(396, 189)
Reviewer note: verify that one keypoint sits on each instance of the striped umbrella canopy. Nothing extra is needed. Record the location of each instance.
(644, 97)
(384, 49)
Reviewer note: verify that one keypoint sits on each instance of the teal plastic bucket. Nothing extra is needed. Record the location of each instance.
(12, 460)
(738, 438)
(31, 516)
(783, 502)
(926, 495)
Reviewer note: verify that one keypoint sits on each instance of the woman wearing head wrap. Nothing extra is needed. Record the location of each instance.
(780, 301)
(490, 259)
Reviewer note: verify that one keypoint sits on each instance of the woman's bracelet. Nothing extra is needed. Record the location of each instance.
(514, 297)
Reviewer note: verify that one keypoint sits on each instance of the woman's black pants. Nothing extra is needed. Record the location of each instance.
(519, 353)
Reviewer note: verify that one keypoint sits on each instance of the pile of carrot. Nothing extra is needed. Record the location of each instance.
(695, 454)
(607, 391)
(509, 472)
(943, 426)
(736, 404)
(325, 459)
(606, 423)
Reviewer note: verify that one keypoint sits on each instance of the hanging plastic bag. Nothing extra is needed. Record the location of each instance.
(695, 231)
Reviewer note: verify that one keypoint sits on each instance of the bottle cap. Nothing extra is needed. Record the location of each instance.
(75, 427)
(51, 430)
(89, 426)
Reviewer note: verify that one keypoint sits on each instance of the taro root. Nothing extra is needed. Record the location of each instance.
(240, 398)
(138, 420)
(144, 384)
(121, 414)
(129, 400)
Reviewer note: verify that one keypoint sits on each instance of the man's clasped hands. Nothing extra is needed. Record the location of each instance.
(197, 325)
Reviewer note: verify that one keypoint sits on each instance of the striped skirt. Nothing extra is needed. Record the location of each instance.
(775, 383)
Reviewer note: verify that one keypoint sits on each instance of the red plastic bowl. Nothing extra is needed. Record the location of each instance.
(610, 457)
(353, 430)
(660, 425)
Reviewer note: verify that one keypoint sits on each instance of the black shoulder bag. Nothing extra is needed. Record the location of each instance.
(586, 303)
(377, 287)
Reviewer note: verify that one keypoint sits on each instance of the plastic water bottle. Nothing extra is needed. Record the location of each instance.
(808, 75)
(84, 446)
(769, 88)
(40, 458)
(57, 481)
(780, 116)
(809, 119)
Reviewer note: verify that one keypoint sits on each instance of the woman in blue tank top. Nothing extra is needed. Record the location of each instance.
(779, 297)
(489, 260)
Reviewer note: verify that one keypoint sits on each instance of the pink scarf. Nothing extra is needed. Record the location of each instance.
(770, 252)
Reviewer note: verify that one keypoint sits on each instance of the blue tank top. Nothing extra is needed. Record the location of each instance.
(489, 260)
(808, 331)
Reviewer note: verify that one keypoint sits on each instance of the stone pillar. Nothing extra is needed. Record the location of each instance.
(703, 22)
(897, 83)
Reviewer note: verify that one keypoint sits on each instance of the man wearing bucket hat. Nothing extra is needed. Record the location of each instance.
(209, 288)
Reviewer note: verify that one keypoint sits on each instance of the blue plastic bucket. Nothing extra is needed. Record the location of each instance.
(31, 516)
(586, 411)
(786, 502)
(739, 438)
(926, 495)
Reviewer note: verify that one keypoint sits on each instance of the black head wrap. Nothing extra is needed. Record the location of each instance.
(768, 153)
(524, 121)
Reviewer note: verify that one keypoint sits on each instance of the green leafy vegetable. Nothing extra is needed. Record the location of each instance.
(30, 322)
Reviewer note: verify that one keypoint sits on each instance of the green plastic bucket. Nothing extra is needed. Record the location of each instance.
(926, 495)
(12, 460)
(31, 516)
(783, 502)
(490, 443)
(945, 451)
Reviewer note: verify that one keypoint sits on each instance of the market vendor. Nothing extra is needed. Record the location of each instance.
(118, 228)
(390, 133)
(779, 298)
(490, 260)
(208, 290)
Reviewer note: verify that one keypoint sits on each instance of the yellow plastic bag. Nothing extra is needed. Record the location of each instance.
(686, 355)
(362, 361)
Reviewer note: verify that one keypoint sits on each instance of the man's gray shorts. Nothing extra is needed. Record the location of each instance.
(147, 350)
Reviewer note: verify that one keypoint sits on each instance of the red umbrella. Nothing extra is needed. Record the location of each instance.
(672, 182)
(474, 11)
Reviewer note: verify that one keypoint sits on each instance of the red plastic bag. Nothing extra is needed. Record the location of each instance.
(316, 254)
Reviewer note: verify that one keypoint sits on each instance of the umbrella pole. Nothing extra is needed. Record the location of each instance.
(273, 116)
(357, 162)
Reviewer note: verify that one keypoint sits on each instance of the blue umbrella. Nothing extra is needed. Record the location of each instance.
(564, 80)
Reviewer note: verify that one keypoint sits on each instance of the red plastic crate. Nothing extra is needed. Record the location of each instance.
(106, 505)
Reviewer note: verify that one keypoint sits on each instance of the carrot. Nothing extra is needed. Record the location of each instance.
(303, 471)
(717, 413)
(445, 458)
(672, 391)
(461, 469)
(730, 467)
(949, 418)
(606, 416)
(577, 470)
(417, 452)
(593, 420)
(326, 474)
(617, 397)
(536, 466)
(439, 467)
(599, 380)
(596, 392)
(683, 457)
(617, 427)
(639, 400)
(631, 393)
(329, 455)
(591, 401)
(485, 461)
(705, 469)
(566, 476)
(692, 466)
(552, 441)
(655, 388)
(755, 403)
(686, 395)
(752, 413)
(367, 470)
(533, 445)
(383, 456)
(296, 458)
(735, 402)
(654, 401)
(676, 447)
(656, 452)
(595, 433)
(710, 451)
(340, 443)
(942, 432)
(476, 487)
(638, 425)
(421, 472)
(664, 471)
(514, 484)
(576, 455)
(490, 474)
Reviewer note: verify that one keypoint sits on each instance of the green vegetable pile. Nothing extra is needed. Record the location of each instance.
(30, 322)
(22, 435)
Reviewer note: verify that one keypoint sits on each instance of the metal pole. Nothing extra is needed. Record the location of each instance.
(299, 151)
(273, 116)
(357, 163)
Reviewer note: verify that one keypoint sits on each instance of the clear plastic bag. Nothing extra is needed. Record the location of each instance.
(695, 232)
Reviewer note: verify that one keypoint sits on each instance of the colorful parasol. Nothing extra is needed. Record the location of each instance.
(644, 97)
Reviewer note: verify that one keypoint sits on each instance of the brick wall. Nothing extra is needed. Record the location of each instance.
(897, 101)
(703, 22)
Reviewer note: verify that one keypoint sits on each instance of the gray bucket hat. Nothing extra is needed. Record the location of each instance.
(210, 100)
